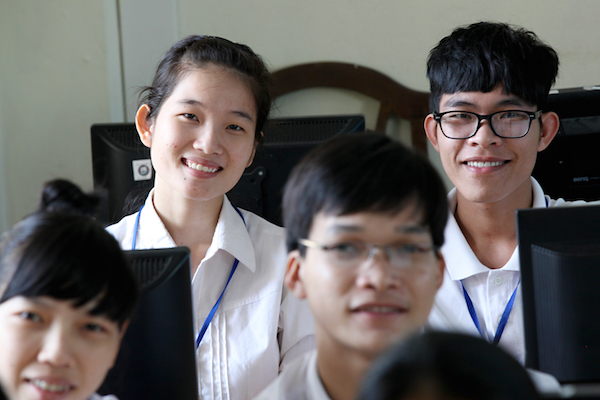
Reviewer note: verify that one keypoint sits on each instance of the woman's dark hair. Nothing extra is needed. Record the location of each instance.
(480, 56)
(363, 172)
(197, 51)
(61, 252)
(449, 366)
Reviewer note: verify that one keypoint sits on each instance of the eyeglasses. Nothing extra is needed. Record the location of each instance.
(351, 254)
(508, 124)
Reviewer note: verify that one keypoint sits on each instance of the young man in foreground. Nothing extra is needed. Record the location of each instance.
(364, 218)
(489, 85)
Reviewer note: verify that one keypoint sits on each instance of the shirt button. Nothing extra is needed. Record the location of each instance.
(497, 281)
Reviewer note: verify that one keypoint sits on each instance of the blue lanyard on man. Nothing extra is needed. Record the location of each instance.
(505, 314)
(212, 312)
(503, 320)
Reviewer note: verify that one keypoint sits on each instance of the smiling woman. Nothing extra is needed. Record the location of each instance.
(66, 294)
(202, 119)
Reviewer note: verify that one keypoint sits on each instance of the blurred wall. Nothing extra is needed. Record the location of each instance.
(66, 64)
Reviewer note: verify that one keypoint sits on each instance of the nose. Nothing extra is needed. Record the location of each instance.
(208, 139)
(377, 273)
(484, 136)
(57, 348)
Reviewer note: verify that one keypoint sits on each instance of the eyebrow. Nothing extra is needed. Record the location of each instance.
(197, 103)
(511, 101)
(403, 229)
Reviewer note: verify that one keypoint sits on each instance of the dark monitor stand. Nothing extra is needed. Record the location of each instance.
(559, 250)
(157, 358)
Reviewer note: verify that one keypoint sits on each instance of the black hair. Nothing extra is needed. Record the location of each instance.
(479, 57)
(362, 172)
(61, 252)
(197, 51)
(450, 366)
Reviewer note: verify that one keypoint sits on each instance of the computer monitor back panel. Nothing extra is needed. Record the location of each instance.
(286, 141)
(157, 359)
(120, 164)
(559, 250)
(569, 167)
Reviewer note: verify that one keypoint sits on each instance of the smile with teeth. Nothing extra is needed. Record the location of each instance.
(200, 167)
(484, 164)
(50, 387)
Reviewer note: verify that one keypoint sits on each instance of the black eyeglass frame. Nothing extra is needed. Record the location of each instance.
(533, 115)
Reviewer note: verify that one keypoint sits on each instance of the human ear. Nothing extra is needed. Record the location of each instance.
(430, 126)
(550, 123)
(143, 125)
(293, 276)
(441, 265)
(254, 151)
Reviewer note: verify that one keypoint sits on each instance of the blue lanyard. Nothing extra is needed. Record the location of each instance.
(212, 312)
(505, 314)
(503, 320)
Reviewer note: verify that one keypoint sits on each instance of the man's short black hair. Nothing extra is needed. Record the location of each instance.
(451, 366)
(363, 172)
(479, 57)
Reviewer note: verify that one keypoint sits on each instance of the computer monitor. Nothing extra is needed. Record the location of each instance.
(157, 360)
(559, 250)
(286, 141)
(569, 167)
(121, 163)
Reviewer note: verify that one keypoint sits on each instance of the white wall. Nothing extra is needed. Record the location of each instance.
(53, 86)
(57, 76)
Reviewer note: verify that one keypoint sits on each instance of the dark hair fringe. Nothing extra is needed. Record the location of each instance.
(363, 172)
(196, 51)
(479, 57)
(59, 251)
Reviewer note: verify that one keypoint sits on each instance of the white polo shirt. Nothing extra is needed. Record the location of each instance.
(298, 381)
(489, 289)
(259, 326)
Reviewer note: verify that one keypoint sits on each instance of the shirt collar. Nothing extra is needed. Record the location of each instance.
(461, 262)
(231, 235)
(315, 390)
(539, 198)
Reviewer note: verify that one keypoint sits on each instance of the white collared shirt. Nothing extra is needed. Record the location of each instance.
(259, 326)
(489, 289)
(298, 381)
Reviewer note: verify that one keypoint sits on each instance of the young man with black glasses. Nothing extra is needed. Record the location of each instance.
(489, 84)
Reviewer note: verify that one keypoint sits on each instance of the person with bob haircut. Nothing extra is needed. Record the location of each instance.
(202, 119)
(364, 218)
(489, 86)
(445, 365)
(66, 295)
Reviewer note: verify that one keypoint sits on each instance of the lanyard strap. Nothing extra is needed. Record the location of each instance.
(212, 312)
(135, 228)
(505, 314)
(503, 320)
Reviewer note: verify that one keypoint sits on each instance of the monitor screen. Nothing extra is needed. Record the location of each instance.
(559, 250)
(568, 168)
(157, 357)
(122, 168)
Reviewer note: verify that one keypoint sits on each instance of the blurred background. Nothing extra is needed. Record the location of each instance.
(67, 64)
